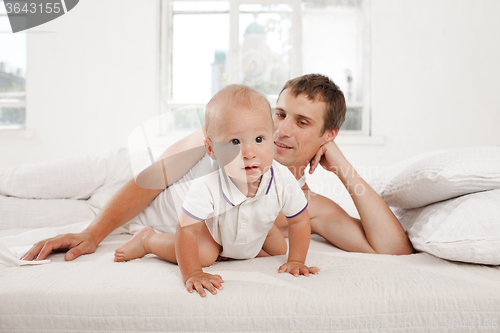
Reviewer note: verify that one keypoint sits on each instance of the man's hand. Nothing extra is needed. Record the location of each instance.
(329, 157)
(201, 281)
(297, 268)
(77, 244)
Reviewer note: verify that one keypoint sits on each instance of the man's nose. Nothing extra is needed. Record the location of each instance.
(283, 129)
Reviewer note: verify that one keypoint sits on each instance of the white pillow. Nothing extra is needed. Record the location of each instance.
(70, 178)
(466, 228)
(18, 213)
(50, 194)
(438, 176)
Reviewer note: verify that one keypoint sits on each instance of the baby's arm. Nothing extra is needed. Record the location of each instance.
(189, 232)
(299, 235)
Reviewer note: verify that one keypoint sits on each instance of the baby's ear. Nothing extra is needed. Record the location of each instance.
(209, 148)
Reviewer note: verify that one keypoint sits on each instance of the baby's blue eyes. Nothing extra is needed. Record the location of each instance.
(236, 142)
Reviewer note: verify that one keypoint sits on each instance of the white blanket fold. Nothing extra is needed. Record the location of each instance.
(13, 247)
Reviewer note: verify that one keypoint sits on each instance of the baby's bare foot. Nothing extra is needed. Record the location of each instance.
(134, 248)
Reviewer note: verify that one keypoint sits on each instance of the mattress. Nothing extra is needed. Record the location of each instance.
(353, 292)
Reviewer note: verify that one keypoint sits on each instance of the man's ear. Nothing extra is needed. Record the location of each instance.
(209, 148)
(330, 135)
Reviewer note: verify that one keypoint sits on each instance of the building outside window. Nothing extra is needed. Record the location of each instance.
(206, 45)
(12, 75)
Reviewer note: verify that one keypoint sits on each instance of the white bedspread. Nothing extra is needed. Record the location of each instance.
(352, 293)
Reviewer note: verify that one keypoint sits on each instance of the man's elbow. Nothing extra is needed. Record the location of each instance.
(404, 252)
(403, 249)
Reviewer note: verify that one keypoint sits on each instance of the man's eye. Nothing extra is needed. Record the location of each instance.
(302, 123)
(259, 139)
(280, 115)
(235, 142)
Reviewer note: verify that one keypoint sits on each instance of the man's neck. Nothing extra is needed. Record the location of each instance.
(297, 170)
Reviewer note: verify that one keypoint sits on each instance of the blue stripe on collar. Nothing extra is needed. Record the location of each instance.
(271, 181)
(229, 202)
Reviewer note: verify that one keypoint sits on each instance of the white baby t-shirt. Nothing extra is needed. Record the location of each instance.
(237, 223)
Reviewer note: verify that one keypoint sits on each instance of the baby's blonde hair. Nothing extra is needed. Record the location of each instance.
(230, 97)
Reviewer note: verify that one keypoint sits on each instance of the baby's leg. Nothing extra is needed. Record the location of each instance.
(163, 245)
(208, 249)
(146, 241)
(274, 244)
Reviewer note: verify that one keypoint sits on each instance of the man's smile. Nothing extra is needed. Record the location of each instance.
(279, 144)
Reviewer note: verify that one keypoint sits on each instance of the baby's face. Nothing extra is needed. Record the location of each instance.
(248, 135)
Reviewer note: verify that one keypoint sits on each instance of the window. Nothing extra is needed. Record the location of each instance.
(12, 75)
(208, 44)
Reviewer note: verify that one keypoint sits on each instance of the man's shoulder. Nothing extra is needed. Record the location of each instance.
(285, 182)
(206, 175)
(282, 171)
(201, 169)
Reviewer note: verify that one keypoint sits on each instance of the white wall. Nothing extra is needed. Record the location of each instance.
(91, 79)
(434, 79)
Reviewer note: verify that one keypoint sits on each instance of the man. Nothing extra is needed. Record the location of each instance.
(309, 113)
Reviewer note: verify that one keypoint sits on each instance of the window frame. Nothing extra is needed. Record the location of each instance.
(13, 98)
(166, 55)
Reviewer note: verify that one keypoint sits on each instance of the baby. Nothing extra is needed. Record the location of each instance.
(231, 212)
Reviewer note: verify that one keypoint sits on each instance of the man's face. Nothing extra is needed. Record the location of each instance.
(298, 129)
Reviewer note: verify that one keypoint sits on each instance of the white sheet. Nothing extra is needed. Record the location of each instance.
(61, 192)
(95, 294)
(12, 247)
(353, 293)
(9, 257)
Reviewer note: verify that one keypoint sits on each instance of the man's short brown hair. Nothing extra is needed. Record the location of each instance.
(322, 88)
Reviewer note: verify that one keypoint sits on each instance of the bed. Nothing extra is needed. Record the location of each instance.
(354, 292)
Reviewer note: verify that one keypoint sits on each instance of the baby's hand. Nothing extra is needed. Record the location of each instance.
(201, 281)
(297, 268)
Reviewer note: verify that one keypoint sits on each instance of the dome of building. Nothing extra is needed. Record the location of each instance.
(255, 28)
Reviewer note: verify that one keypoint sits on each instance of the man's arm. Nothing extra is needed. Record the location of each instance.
(125, 204)
(377, 230)
(174, 163)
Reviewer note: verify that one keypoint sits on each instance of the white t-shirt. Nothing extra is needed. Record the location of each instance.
(163, 212)
(302, 180)
(237, 223)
